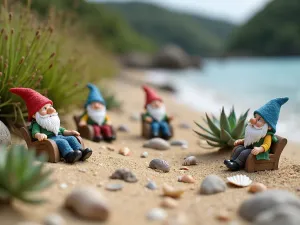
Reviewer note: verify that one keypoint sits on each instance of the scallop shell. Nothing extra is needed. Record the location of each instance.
(186, 179)
(191, 160)
(159, 164)
(240, 180)
(172, 192)
(124, 151)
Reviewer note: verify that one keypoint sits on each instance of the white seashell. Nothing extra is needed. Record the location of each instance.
(63, 185)
(124, 151)
(186, 179)
(157, 214)
(240, 180)
(191, 160)
(144, 155)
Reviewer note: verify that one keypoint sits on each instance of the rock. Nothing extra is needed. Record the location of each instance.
(184, 147)
(184, 168)
(151, 185)
(186, 179)
(257, 187)
(171, 57)
(172, 192)
(5, 138)
(114, 187)
(223, 216)
(184, 126)
(279, 215)
(168, 202)
(157, 143)
(189, 161)
(54, 219)
(167, 87)
(123, 128)
(88, 203)
(124, 151)
(135, 117)
(179, 142)
(157, 214)
(266, 200)
(124, 174)
(212, 184)
(159, 164)
(144, 155)
(63, 185)
(110, 149)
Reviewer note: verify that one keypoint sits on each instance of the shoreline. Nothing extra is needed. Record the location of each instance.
(134, 201)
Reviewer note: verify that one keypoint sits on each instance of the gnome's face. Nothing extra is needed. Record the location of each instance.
(255, 130)
(157, 110)
(47, 118)
(97, 112)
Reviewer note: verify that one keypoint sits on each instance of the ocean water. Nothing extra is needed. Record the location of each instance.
(243, 83)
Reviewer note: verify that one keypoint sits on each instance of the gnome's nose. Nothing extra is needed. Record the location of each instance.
(253, 121)
(50, 110)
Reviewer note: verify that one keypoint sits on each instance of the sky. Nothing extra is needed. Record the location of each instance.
(236, 11)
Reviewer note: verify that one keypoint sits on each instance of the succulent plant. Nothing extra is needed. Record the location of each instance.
(223, 132)
(21, 174)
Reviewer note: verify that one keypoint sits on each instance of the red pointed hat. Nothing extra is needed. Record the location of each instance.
(34, 100)
(150, 95)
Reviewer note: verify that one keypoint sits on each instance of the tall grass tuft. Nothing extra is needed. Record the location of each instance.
(52, 59)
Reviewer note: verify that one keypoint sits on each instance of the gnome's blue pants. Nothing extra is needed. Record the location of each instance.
(66, 144)
(163, 126)
(241, 154)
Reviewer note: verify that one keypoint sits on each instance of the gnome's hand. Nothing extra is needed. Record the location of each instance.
(148, 119)
(257, 150)
(40, 136)
(238, 142)
(75, 133)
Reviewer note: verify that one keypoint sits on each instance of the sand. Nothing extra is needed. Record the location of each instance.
(130, 205)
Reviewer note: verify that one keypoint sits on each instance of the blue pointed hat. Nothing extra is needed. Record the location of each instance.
(94, 95)
(270, 111)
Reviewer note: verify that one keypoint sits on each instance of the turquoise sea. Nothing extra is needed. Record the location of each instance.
(242, 82)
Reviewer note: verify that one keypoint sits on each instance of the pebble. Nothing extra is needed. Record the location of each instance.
(168, 202)
(151, 185)
(54, 219)
(157, 143)
(123, 128)
(184, 126)
(159, 164)
(179, 142)
(172, 192)
(144, 155)
(63, 185)
(223, 216)
(186, 179)
(212, 184)
(114, 187)
(87, 202)
(157, 214)
(82, 170)
(184, 168)
(124, 151)
(5, 137)
(110, 149)
(134, 117)
(190, 160)
(124, 174)
(267, 200)
(279, 215)
(257, 187)
(184, 147)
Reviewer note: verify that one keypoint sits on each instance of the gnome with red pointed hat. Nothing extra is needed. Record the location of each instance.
(45, 124)
(156, 114)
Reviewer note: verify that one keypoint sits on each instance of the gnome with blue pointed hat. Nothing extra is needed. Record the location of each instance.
(95, 115)
(259, 135)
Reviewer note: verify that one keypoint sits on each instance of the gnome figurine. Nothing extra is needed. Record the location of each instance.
(45, 124)
(259, 135)
(156, 114)
(95, 115)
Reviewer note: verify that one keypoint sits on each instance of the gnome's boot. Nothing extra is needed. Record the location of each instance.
(73, 156)
(98, 138)
(86, 153)
(233, 165)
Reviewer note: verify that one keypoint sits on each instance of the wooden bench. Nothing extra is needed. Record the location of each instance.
(146, 130)
(253, 165)
(46, 146)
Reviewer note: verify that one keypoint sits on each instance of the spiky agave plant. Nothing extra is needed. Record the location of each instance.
(21, 174)
(223, 132)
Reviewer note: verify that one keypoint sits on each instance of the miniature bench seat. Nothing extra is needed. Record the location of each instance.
(46, 146)
(253, 165)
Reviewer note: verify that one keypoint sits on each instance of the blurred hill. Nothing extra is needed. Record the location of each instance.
(275, 31)
(107, 27)
(195, 34)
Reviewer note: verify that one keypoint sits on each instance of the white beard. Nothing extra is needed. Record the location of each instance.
(49, 122)
(98, 116)
(254, 134)
(158, 113)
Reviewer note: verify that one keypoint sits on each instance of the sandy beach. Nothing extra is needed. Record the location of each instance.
(130, 205)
